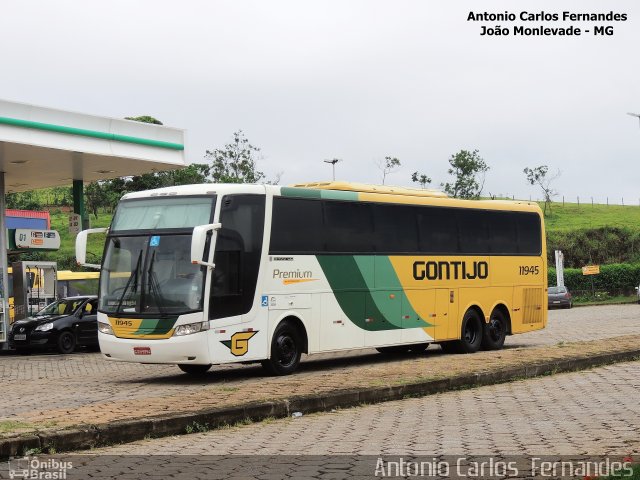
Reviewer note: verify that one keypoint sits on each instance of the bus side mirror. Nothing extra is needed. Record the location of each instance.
(81, 247)
(199, 242)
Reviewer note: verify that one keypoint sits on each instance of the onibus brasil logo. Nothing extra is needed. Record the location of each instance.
(33, 467)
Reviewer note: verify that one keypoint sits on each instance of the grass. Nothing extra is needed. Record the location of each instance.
(7, 426)
(572, 216)
(634, 476)
(607, 300)
(60, 222)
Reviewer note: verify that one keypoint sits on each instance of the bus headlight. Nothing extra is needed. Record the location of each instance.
(190, 328)
(105, 328)
(45, 327)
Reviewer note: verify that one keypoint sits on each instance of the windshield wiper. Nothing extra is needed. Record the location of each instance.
(134, 274)
(154, 285)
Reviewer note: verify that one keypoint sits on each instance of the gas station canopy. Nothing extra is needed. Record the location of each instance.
(44, 147)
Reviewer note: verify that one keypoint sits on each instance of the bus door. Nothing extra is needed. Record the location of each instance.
(447, 324)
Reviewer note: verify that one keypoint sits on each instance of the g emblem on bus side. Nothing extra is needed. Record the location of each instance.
(239, 343)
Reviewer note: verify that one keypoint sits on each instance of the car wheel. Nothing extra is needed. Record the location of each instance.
(494, 332)
(66, 342)
(286, 350)
(195, 369)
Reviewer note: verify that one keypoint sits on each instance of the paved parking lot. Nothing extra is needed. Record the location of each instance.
(60, 390)
(590, 412)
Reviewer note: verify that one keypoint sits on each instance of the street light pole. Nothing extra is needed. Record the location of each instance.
(333, 166)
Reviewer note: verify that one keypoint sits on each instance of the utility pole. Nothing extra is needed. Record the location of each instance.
(333, 166)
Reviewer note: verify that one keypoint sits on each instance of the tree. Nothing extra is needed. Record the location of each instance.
(96, 197)
(145, 119)
(469, 170)
(23, 201)
(420, 178)
(540, 176)
(388, 165)
(235, 162)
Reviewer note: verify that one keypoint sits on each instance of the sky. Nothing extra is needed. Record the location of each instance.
(356, 80)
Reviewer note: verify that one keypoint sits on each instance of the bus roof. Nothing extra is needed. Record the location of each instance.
(370, 188)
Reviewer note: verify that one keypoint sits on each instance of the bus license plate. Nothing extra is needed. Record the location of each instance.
(142, 350)
(20, 336)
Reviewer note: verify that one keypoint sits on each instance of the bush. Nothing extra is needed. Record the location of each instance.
(604, 245)
(615, 277)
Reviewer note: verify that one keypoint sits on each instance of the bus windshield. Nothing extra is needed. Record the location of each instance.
(162, 212)
(150, 274)
(147, 265)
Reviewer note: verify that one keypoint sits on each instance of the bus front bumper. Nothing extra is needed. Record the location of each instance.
(174, 350)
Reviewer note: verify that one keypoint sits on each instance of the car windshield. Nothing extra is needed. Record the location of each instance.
(61, 307)
(554, 290)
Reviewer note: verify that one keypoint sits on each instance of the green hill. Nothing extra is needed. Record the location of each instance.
(572, 216)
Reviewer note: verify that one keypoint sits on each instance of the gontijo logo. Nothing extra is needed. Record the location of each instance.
(239, 343)
(450, 270)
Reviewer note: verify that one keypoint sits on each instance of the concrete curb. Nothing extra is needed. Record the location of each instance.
(166, 425)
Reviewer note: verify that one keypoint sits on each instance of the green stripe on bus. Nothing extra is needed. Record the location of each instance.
(352, 279)
(155, 326)
(317, 193)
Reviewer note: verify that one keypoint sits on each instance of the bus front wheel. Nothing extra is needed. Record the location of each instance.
(286, 349)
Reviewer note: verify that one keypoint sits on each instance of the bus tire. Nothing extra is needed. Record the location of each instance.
(192, 369)
(286, 350)
(494, 332)
(470, 333)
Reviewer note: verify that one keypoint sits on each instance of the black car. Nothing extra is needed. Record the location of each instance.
(63, 326)
(560, 297)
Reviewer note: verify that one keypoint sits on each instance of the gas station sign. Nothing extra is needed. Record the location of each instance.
(37, 239)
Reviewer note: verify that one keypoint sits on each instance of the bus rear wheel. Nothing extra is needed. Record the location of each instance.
(286, 350)
(471, 334)
(195, 369)
(494, 332)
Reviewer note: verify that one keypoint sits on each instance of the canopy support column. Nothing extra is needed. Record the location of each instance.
(4, 316)
(78, 203)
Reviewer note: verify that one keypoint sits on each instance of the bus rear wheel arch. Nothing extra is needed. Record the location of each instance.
(287, 345)
(495, 330)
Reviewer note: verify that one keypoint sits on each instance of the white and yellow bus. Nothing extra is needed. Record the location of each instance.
(211, 274)
(71, 284)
